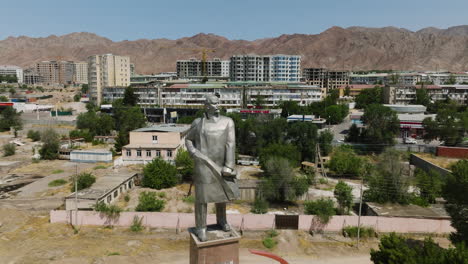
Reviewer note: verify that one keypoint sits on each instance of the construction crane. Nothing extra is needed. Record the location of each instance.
(204, 56)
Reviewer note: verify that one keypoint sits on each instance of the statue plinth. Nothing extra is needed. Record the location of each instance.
(220, 248)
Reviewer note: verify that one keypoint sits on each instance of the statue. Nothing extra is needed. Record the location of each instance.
(211, 143)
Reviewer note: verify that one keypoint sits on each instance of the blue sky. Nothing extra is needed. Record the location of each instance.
(234, 19)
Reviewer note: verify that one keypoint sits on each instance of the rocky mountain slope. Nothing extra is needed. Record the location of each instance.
(354, 48)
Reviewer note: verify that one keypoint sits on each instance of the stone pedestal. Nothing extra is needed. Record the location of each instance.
(221, 247)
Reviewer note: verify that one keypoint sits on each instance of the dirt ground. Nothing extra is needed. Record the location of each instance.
(30, 238)
(439, 161)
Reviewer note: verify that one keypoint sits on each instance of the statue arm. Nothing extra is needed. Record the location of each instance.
(230, 161)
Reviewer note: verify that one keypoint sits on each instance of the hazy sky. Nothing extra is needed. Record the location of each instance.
(234, 19)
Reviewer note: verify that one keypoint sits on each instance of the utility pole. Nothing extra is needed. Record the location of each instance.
(359, 217)
(76, 194)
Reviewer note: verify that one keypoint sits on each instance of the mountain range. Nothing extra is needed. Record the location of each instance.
(353, 48)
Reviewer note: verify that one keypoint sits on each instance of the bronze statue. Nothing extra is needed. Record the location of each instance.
(211, 142)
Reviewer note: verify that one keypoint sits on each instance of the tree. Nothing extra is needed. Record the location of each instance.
(325, 139)
(290, 108)
(454, 192)
(336, 113)
(303, 135)
(9, 149)
(10, 118)
(34, 135)
(280, 184)
(84, 88)
(449, 126)
(382, 125)
(451, 80)
(347, 91)
(159, 174)
(286, 151)
(51, 144)
(386, 182)
(3, 98)
(344, 197)
(369, 96)
(130, 98)
(323, 208)
(184, 164)
(422, 97)
(344, 162)
(260, 101)
(429, 185)
(354, 134)
(260, 206)
(126, 120)
(148, 202)
(12, 91)
(84, 180)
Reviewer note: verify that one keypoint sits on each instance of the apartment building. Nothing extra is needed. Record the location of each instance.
(107, 70)
(11, 70)
(56, 72)
(406, 94)
(193, 68)
(30, 76)
(265, 68)
(329, 79)
(80, 72)
(158, 141)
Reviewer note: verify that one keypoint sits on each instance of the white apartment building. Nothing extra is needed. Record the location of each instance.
(107, 70)
(80, 72)
(265, 68)
(6, 70)
(193, 68)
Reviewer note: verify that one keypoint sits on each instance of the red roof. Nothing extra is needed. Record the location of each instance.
(360, 86)
(179, 85)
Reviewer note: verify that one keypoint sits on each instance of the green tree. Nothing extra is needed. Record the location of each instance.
(449, 126)
(84, 180)
(382, 125)
(12, 91)
(260, 101)
(344, 197)
(9, 149)
(344, 162)
(286, 151)
(387, 183)
(260, 206)
(454, 192)
(148, 202)
(303, 135)
(34, 135)
(50, 144)
(3, 98)
(369, 96)
(347, 91)
(290, 108)
(422, 97)
(336, 113)
(325, 139)
(10, 118)
(130, 98)
(323, 208)
(184, 164)
(429, 185)
(126, 120)
(451, 80)
(84, 88)
(159, 174)
(354, 134)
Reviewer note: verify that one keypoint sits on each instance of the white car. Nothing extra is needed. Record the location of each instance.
(410, 140)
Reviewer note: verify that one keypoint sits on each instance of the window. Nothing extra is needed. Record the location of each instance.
(109, 198)
(116, 193)
(129, 153)
(138, 152)
(148, 153)
(158, 153)
(169, 153)
(155, 139)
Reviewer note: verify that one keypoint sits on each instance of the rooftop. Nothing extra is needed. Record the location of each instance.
(397, 210)
(164, 128)
(102, 186)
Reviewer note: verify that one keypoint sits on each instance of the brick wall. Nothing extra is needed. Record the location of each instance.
(452, 152)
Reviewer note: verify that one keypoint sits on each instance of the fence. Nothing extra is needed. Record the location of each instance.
(256, 221)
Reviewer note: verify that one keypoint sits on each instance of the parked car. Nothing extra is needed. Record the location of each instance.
(410, 140)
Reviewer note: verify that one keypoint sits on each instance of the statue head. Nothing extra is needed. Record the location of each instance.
(212, 104)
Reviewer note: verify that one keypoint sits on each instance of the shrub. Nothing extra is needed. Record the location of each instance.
(127, 198)
(99, 167)
(50, 146)
(34, 135)
(344, 196)
(260, 206)
(351, 231)
(136, 224)
(9, 149)
(345, 162)
(323, 208)
(162, 195)
(85, 180)
(189, 199)
(269, 242)
(111, 211)
(159, 174)
(56, 183)
(57, 171)
(147, 202)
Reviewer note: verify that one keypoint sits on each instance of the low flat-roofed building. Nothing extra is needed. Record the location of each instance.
(158, 141)
(106, 189)
(435, 211)
(91, 156)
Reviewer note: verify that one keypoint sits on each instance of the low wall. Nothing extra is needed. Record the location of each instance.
(427, 165)
(257, 221)
(452, 152)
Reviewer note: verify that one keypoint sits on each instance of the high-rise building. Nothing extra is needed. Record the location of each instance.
(11, 70)
(265, 68)
(330, 79)
(107, 70)
(55, 72)
(193, 68)
(80, 72)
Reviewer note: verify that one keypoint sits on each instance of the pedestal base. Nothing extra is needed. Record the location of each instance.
(221, 247)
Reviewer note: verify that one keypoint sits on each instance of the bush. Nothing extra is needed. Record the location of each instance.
(50, 146)
(57, 171)
(9, 149)
(34, 135)
(127, 198)
(344, 197)
(351, 231)
(85, 180)
(260, 206)
(159, 174)
(323, 208)
(56, 183)
(147, 202)
(136, 224)
(189, 199)
(111, 211)
(269, 242)
(345, 162)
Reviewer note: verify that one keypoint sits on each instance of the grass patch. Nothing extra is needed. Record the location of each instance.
(57, 171)
(162, 195)
(351, 231)
(100, 167)
(113, 254)
(189, 199)
(136, 224)
(56, 183)
(269, 241)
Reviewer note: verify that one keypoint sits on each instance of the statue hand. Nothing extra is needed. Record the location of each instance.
(228, 172)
